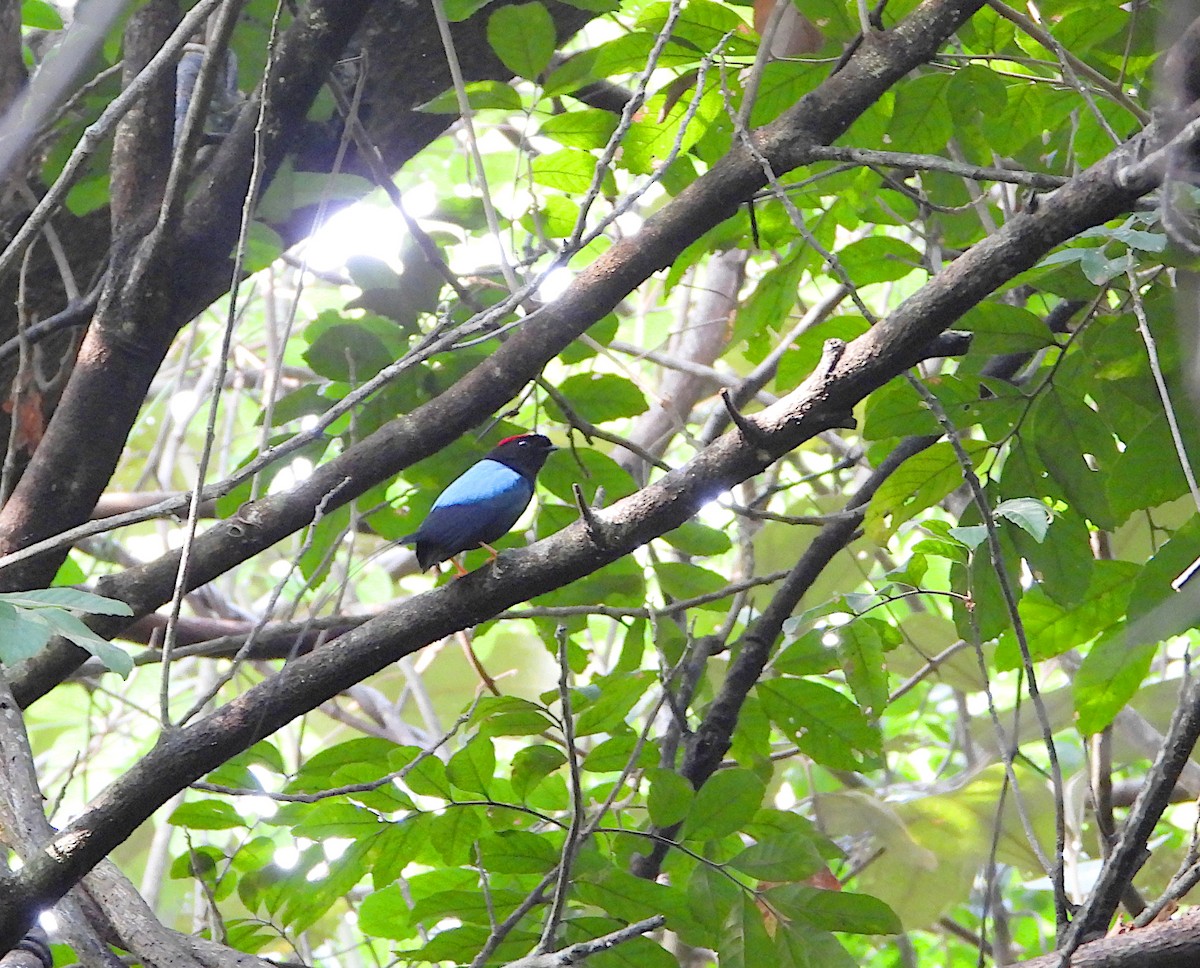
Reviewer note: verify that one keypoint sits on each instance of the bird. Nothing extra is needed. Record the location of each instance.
(483, 503)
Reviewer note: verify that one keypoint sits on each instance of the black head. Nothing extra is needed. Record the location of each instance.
(525, 453)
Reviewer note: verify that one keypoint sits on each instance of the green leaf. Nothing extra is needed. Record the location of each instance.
(860, 649)
(822, 722)
(878, 258)
(694, 538)
(518, 852)
(897, 410)
(1063, 567)
(768, 307)
(69, 627)
(1051, 629)
(618, 695)
(813, 653)
(533, 764)
(1109, 677)
(618, 752)
(555, 217)
(454, 833)
(972, 535)
(40, 15)
(20, 638)
(744, 939)
(523, 37)
(790, 856)
(352, 350)
(622, 895)
(399, 844)
(919, 483)
(457, 10)
(680, 580)
(67, 598)
(712, 894)
(1027, 513)
(474, 766)
(428, 778)
(319, 768)
(569, 170)
(206, 815)
(1076, 447)
(835, 910)
(333, 818)
(1000, 328)
(653, 138)
(727, 802)
(385, 914)
(263, 246)
(481, 96)
(586, 128)
(921, 119)
(600, 397)
(669, 798)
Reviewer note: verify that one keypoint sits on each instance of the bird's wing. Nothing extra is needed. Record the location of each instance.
(483, 482)
(481, 505)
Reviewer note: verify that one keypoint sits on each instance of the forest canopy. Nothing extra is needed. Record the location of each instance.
(850, 622)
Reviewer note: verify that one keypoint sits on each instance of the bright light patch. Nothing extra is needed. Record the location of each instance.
(183, 405)
(49, 921)
(629, 223)
(831, 639)
(334, 847)
(288, 477)
(555, 284)
(362, 229)
(287, 856)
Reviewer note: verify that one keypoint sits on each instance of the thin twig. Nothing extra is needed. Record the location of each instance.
(558, 903)
(971, 479)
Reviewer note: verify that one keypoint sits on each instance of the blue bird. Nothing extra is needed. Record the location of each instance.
(482, 504)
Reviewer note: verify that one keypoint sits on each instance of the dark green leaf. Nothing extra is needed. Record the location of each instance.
(787, 857)
(725, 804)
(744, 939)
(999, 328)
(669, 798)
(835, 910)
(617, 696)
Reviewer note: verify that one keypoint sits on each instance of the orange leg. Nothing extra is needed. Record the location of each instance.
(457, 567)
(491, 551)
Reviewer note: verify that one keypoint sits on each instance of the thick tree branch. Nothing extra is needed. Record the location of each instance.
(1171, 944)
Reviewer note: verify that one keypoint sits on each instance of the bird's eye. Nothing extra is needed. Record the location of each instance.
(523, 443)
